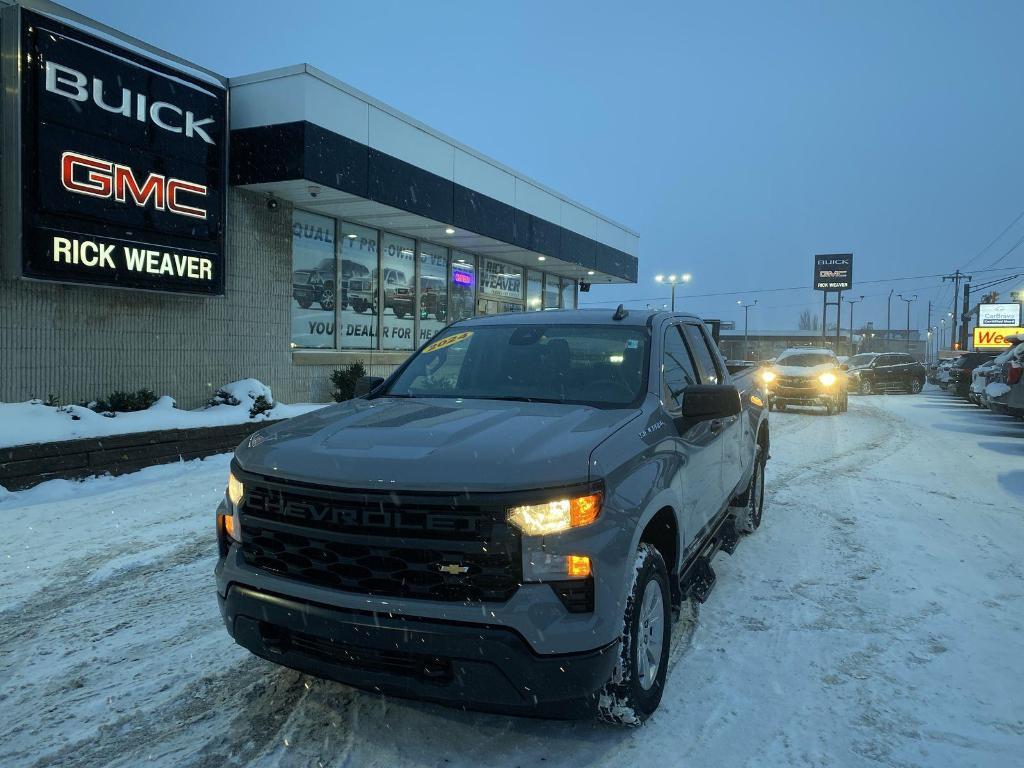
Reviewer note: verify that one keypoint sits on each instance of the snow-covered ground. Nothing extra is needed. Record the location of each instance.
(876, 618)
(35, 422)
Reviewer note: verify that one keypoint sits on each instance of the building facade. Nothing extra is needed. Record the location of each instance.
(276, 226)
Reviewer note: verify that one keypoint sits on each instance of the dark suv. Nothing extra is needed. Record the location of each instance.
(889, 371)
(960, 372)
(315, 285)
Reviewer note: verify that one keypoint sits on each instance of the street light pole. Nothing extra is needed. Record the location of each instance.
(673, 280)
(909, 301)
(746, 311)
(851, 302)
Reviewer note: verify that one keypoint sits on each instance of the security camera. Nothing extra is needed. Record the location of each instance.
(314, 191)
(584, 286)
(272, 204)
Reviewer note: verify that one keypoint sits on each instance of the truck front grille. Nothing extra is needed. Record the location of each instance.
(382, 544)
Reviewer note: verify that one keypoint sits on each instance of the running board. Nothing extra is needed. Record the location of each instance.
(702, 580)
(698, 577)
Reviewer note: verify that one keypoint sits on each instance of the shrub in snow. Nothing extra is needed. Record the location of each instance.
(246, 392)
(124, 402)
(344, 381)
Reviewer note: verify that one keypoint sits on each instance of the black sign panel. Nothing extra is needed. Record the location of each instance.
(123, 166)
(833, 272)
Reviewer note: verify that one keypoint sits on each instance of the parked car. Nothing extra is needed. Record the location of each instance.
(888, 372)
(860, 360)
(960, 371)
(979, 380)
(315, 285)
(806, 376)
(1004, 393)
(557, 486)
(942, 372)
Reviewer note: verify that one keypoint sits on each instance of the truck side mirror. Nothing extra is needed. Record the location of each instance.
(365, 385)
(708, 402)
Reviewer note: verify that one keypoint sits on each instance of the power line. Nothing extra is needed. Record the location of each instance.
(792, 288)
(995, 240)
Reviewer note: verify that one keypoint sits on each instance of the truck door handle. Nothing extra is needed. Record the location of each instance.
(716, 426)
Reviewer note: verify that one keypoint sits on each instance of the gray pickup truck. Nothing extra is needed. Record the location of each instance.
(510, 522)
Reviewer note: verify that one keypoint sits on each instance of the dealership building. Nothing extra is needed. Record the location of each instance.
(169, 228)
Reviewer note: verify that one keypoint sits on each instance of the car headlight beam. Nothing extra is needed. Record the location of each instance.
(828, 379)
(767, 377)
(556, 516)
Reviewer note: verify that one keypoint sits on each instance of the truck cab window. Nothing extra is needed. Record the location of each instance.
(677, 372)
(702, 356)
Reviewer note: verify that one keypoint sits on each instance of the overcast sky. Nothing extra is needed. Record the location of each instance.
(737, 138)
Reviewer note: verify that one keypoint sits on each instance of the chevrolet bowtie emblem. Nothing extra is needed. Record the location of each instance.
(452, 569)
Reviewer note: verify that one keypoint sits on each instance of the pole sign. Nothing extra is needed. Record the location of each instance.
(995, 338)
(999, 315)
(833, 272)
(123, 165)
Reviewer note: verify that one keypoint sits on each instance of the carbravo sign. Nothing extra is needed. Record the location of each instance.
(123, 165)
(833, 272)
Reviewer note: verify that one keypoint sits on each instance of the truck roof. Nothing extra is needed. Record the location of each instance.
(572, 317)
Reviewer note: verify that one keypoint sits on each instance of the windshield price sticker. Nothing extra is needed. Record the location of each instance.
(447, 341)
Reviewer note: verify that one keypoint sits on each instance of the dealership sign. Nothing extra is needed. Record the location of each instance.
(833, 272)
(995, 338)
(501, 280)
(998, 315)
(122, 165)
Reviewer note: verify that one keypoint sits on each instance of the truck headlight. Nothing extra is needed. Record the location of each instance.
(828, 379)
(556, 516)
(767, 377)
(232, 523)
(235, 490)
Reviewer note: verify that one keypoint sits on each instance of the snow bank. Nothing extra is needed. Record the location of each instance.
(996, 389)
(35, 422)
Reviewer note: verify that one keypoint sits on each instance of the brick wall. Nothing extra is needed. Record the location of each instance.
(79, 343)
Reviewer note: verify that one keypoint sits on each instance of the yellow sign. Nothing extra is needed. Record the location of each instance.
(995, 338)
(447, 341)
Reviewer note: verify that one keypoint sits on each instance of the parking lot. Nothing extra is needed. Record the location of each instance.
(874, 619)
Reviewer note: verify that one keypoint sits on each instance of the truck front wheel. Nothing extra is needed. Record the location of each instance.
(634, 691)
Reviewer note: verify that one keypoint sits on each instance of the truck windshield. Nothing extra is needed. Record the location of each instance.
(805, 359)
(597, 365)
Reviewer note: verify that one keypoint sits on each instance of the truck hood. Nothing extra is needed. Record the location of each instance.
(434, 444)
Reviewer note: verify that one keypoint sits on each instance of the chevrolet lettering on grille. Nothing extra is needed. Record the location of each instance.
(269, 505)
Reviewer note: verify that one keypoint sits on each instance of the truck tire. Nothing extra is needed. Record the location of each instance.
(750, 505)
(634, 690)
(305, 303)
(327, 297)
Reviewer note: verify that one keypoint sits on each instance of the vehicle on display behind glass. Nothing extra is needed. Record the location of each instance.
(316, 285)
(888, 372)
(509, 522)
(806, 376)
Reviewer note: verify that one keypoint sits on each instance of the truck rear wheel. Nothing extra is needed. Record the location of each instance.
(634, 691)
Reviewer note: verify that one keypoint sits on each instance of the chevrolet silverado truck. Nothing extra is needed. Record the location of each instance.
(510, 522)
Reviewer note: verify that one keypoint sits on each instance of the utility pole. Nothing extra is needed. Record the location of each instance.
(956, 277)
(909, 301)
(928, 329)
(851, 302)
(965, 317)
(746, 310)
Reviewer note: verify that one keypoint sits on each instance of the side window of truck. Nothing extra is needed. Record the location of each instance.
(677, 371)
(702, 356)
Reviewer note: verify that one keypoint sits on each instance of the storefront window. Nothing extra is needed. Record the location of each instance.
(568, 294)
(534, 289)
(314, 281)
(499, 280)
(551, 292)
(433, 293)
(398, 279)
(461, 286)
(358, 287)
